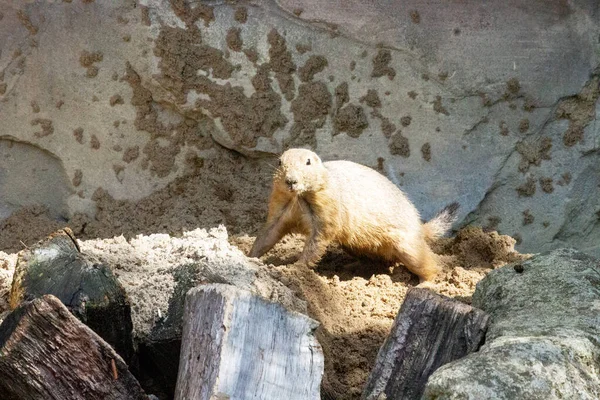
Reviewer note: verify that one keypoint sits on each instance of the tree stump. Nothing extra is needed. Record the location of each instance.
(237, 345)
(87, 288)
(46, 353)
(429, 331)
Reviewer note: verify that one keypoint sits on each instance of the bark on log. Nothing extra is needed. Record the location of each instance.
(46, 353)
(237, 345)
(87, 288)
(429, 331)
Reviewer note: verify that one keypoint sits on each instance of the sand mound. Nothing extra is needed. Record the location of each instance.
(356, 300)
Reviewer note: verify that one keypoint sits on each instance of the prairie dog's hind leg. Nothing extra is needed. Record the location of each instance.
(418, 258)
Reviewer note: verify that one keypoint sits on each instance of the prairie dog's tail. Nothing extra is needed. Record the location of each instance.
(441, 223)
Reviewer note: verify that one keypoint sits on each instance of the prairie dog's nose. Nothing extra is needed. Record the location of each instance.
(291, 181)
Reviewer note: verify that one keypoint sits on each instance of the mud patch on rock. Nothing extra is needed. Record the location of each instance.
(580, 110)
(533, 151)
(241, 15)
(371, 99)
(313, 66)
(381, 66)
(87, 60)
(190, 15)
(399, 145)
(234, 39)
(187, 131)
(350, 119)
(528, 218)
(438, 107)
(26, 22)
(527, 189)
(341, 95)
(524, 125)
(547, 185)
(280, 61)
(77, 177)
(310, 110)
(45, 124)
(131, 154)
(426, 152)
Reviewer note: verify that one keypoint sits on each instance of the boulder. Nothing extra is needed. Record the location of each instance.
(543, 341)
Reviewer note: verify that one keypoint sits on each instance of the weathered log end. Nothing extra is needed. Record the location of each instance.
(429, 331)
(86, 287)
(47, 353)
(237, 345)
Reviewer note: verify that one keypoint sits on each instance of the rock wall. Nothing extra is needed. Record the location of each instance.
(492, 105)
(542, 341)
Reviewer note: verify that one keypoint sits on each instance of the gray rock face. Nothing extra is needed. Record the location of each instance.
(543, 341)
(493, 106)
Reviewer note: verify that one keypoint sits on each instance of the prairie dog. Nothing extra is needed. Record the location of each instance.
(350, 204)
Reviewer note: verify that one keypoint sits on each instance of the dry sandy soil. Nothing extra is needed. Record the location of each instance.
(354, 300)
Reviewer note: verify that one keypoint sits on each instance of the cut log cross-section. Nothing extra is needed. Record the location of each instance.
(47, 353)
(237, 345)
(429, 331)
(88, 288)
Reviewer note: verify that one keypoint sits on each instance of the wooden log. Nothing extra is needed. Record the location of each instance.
(429, 331)
(47, 353)
(237, 345)
(87, 288)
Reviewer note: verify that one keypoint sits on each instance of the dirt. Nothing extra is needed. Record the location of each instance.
(399, 145)
(313, 66)
(350, 119)
(357, 302)
(381, 65)
(25, 227)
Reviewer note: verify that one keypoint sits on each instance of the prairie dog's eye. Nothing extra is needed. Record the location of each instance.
(308, 162)
(279, 163)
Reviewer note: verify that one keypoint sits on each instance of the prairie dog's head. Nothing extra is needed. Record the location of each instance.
(300, 171)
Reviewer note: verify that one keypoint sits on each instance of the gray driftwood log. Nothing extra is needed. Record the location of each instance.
(47, 353)
(86, 287)
(429, 331)
(237, 345)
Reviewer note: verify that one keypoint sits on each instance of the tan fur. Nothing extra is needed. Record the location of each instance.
(349, 204)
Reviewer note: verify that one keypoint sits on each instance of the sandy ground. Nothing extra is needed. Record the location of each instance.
(354, 300)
